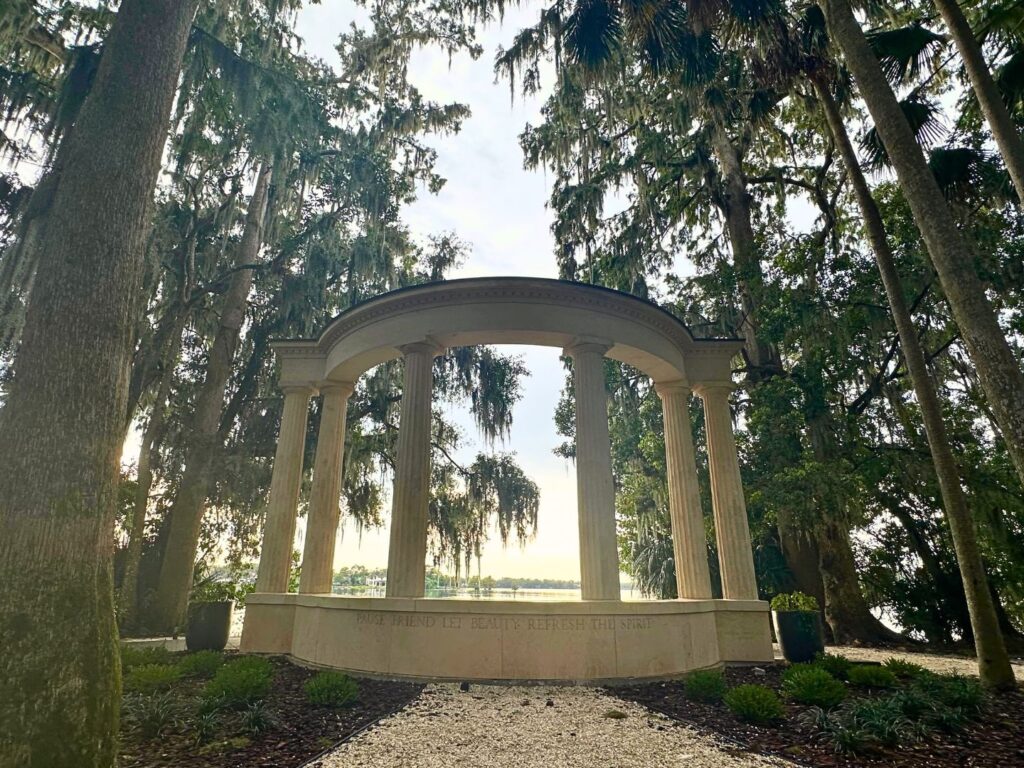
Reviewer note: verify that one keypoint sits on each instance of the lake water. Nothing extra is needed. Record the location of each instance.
(546, 595)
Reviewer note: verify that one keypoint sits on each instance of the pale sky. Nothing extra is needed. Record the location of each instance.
(499, 209)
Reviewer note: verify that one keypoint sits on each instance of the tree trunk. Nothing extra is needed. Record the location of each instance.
(186, 512)
(993, 661)
(150, 442)
(61, 427)
(762, 359)
(991, 101)
(950, 251)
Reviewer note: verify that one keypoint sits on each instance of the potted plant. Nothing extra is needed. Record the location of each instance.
(209, 612)
(797, 623)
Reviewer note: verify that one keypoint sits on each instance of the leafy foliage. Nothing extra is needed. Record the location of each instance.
(331, 689)
(201, 664)
(795, 601)
(238, 684)
(754, 703)
(150, 678)
(813, 685)
(871, 676)
(706, 685)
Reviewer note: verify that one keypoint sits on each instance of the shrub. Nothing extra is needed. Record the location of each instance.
(835, 664)
(705, 685)
(256, 719)
(814, 686)
(202, 664)
(150, 678)
(331, 689)
(883, 721)
(239, 683)
(903, 668)
(794, 601)
(954, 691)
(754, 703)
(872, 676)
(134, 656)
(151, 714)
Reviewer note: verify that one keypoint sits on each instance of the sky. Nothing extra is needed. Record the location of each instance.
(498, 208)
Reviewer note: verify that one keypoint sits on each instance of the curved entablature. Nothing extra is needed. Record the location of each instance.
(507, 310)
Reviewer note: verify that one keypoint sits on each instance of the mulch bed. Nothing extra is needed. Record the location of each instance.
(996, 740)
(299, 730)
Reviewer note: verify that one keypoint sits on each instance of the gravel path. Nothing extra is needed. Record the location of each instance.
(515, 726)
(934, 662)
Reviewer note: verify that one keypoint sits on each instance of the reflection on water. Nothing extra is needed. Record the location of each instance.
(462, 593)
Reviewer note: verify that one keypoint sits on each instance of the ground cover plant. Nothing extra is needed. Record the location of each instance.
(893, 714)
(214, 709)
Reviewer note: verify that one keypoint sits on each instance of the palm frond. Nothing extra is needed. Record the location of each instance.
(904, 52)
(925, 121)
(593, 32)
(965, 172)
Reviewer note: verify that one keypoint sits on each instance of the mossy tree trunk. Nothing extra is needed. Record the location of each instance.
(993, 661)
(186, 513)
(62, 425)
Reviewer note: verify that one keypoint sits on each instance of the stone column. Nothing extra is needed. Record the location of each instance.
(407, 554)
(324, 512)
(735, 557)
(279, 529)
(595, 490)
(689, 542)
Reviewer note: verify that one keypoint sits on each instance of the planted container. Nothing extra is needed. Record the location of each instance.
(797, 622)
(209, 624)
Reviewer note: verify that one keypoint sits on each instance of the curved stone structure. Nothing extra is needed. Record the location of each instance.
(588, 323)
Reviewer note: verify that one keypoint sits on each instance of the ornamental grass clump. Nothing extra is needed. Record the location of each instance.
(754, 703)
(814, 686)
(835, 664)
(150, 678)
(331, 689)
(152, 714)
(872, 676)
(706, 685)
(201, 664)
(238, 684)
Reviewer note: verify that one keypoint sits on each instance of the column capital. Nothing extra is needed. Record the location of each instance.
(307, 389)
(710, 389)
(330, 386)
(586, 344)
(426, 346)
(677, 387)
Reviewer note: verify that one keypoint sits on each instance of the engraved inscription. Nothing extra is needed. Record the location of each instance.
(561, 624)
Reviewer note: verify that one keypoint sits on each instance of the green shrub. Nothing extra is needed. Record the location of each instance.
(151, 714)
(754, 703)
(150, 678)
(331, 689)
(814, 686)
(872, 676)
(705, 685)
(835, 664)
(238, 683)
(134, 656)
(794, 601)
(953, 691)
(202, 664)
(903, 668)
(883, 721)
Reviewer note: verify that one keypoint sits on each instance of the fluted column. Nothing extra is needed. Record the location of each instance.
(407, 554)
(735, 556)
(689, 541)
(324, 512)
(279, 529)
(595, 490)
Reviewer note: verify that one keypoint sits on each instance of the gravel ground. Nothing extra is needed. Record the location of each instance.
(936, 663)
(515, 726)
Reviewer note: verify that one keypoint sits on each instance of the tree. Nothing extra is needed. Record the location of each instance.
(950, 250)
(62, 423)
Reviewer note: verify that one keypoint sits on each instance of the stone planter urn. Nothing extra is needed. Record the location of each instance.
(209, 624)
(797, 623)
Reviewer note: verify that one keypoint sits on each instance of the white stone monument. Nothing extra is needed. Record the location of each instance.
(597, 638)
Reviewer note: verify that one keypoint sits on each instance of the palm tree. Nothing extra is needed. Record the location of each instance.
(1005, 133)
(993, 660)
(62, 424)
(951, 253)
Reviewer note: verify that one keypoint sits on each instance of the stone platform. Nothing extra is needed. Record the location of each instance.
(430, 639)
